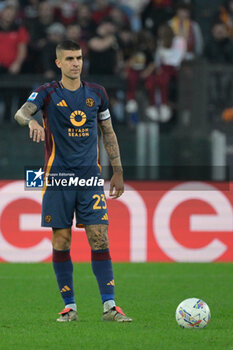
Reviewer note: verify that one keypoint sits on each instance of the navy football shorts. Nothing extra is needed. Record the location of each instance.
(59, 207)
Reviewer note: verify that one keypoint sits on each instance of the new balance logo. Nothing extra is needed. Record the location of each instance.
(62, 104)
(105, 217)
(111, 283)
(65, 289)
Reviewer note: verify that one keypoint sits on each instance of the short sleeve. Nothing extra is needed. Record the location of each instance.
(37, 97)
(104, 112)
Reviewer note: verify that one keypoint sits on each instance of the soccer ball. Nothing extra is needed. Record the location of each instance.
(193, 313)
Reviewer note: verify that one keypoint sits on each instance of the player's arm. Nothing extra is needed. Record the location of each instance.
(24, 116)
(112, 149)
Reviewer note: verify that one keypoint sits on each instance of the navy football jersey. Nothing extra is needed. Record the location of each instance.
(70, 121)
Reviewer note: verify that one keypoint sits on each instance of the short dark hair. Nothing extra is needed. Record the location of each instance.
(67, 45)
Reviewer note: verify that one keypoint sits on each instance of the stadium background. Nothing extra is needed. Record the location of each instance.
(178, 202)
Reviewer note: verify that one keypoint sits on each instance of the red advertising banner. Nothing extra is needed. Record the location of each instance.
(152, 221)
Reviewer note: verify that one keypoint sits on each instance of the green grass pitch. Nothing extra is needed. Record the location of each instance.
(148, 292)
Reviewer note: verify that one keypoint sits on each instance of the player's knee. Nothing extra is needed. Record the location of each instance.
(61, 243)
(100, 244)
(97, 236)
(61, 240)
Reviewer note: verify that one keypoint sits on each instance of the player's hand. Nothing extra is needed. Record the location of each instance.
(116, 185)
(37, 132)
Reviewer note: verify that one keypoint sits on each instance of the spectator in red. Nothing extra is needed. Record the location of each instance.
(169, 55)
(102, 9)
(139, 68)
(13, 51)
(13, 40)
(183, 25)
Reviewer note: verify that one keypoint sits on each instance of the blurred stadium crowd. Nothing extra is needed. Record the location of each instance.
(143, 42)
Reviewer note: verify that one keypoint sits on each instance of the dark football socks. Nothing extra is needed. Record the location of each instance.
(63, 269)
(102, 267)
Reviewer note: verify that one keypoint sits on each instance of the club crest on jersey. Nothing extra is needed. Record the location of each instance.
(90, 102)
(78, 118)
(48, 218)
